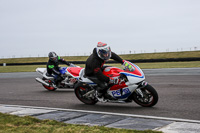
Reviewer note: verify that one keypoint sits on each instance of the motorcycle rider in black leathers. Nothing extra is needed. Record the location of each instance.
(53, 67)
(94, 68)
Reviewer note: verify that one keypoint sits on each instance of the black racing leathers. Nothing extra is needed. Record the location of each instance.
(94, 68)
(53, 68)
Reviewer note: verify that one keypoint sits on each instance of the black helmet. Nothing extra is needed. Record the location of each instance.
(53, 56)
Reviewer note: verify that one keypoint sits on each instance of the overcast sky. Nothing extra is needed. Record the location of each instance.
(73, 27)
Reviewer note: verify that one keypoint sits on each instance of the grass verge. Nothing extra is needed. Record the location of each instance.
(15, 124)
(185, 54)
(31, 68)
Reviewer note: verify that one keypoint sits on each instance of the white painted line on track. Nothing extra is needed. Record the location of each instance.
(107, 113)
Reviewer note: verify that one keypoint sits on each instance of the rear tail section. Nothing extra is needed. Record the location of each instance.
(41, 70)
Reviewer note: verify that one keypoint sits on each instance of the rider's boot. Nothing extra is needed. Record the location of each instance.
(53, 85)
(100, 95)
(56, 83)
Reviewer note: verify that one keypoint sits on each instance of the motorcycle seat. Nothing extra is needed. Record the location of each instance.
(48, 76)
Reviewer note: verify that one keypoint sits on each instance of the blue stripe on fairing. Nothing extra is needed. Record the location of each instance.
(128, 74)
(123, 96)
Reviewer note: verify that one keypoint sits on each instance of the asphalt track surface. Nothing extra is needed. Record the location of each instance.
(178, 90)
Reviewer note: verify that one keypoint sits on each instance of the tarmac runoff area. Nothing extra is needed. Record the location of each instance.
(113, 120)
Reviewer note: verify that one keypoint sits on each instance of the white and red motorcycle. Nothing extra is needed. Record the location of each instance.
(131, 87)
(70, 75)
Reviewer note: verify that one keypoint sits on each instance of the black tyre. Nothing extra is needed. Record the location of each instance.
(150, 97)
(80, 90)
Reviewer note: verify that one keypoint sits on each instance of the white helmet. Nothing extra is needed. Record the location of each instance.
(103, 51)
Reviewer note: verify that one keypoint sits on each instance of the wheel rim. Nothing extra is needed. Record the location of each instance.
(147, 99)
(80, 91)
(51, 88)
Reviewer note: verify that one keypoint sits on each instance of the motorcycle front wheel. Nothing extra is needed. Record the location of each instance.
(80, 90)
(149, 99)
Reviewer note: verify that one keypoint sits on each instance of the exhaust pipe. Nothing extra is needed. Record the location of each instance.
(42, 81)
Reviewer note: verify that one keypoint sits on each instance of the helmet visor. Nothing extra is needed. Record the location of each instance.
(55, 59)
(105, 53)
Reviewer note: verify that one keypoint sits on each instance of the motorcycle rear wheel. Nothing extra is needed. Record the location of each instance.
(150, 97)
(49, 88)
(80, 90)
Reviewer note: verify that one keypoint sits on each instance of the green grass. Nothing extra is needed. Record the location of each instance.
(186, 54)
(188, 64)
(28, 68)
(31, 68)
(15, 124)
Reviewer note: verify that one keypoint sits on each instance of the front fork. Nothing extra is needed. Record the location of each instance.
(141, 85)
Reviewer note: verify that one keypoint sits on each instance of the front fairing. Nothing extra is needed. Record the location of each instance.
(133, 77)
(124, 90)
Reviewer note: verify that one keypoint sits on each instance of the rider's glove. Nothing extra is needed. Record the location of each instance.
(128, 66)
(115, 80)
